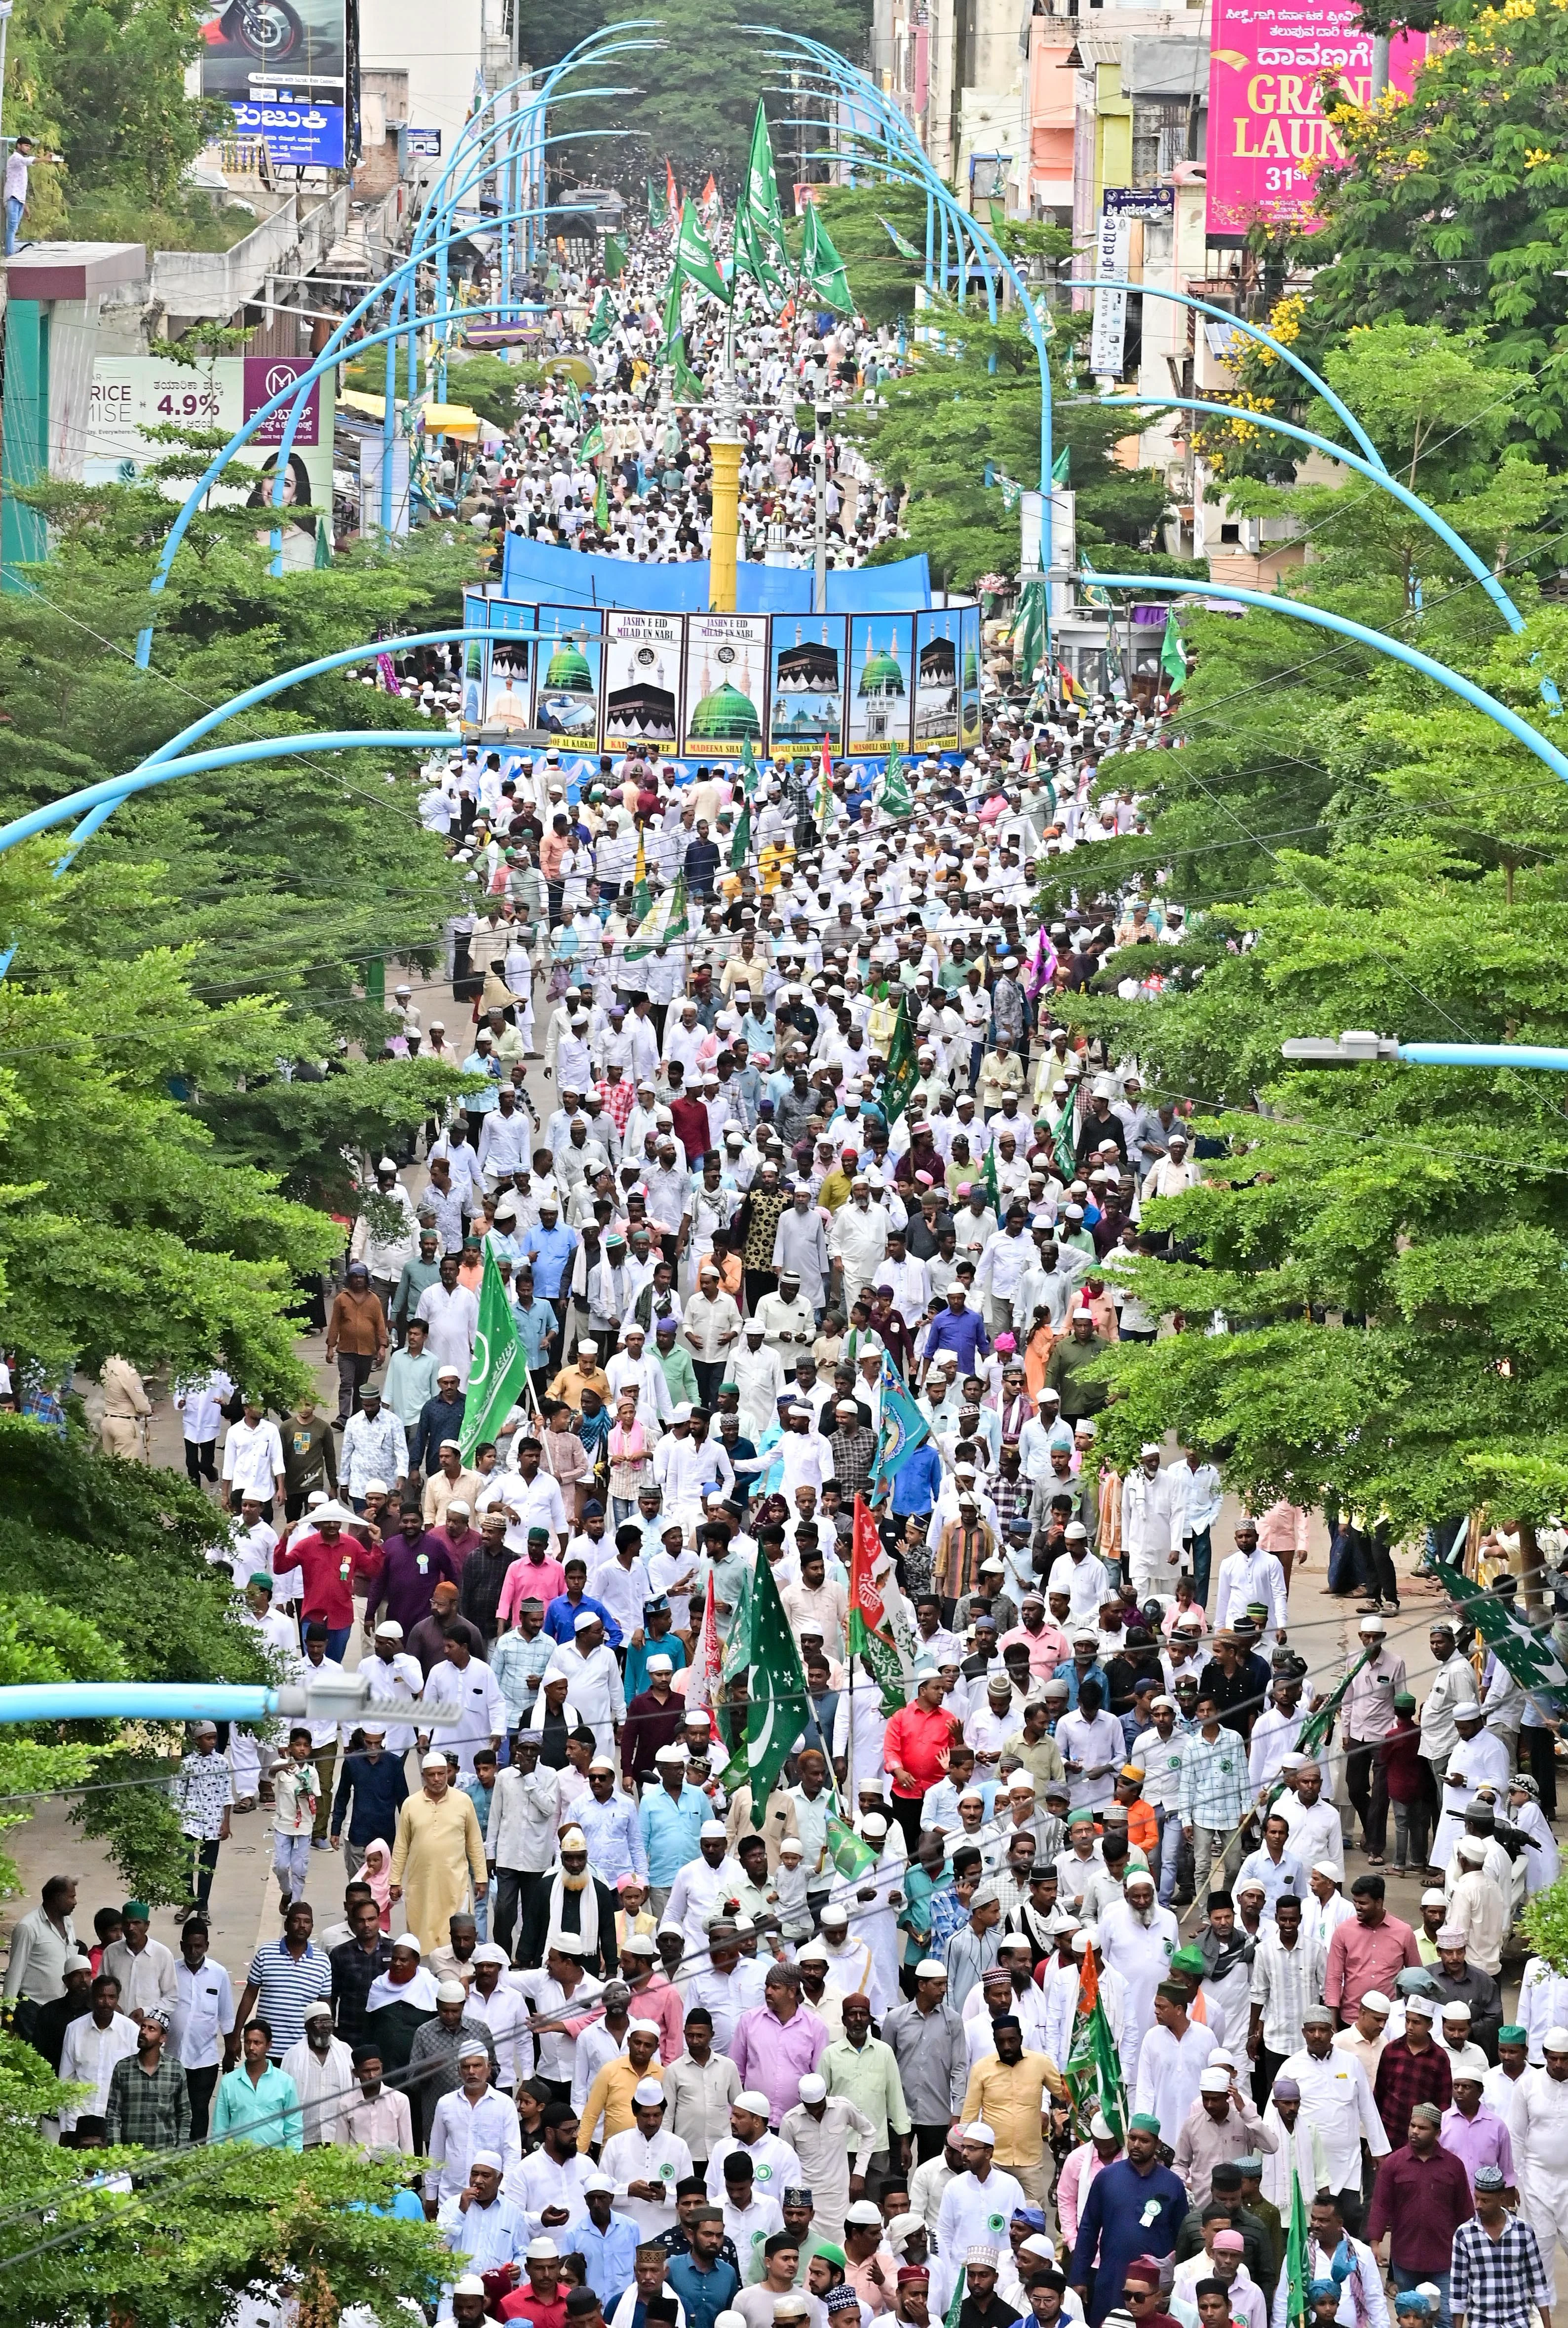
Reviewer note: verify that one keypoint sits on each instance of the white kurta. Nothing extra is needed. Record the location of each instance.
(1140, 1954)
(661, 2159)
(971, 2214)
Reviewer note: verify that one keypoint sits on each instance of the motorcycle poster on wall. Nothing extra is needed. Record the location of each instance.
(283, 66)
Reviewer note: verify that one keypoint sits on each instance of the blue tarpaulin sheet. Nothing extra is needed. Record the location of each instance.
(548, 575)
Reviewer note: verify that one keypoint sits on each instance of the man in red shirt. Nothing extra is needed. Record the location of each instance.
(325, 1558)
(1370, 1953)
(915, 1750)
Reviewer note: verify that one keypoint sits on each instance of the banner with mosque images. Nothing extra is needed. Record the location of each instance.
(969, 725)
(936, 665)
(805, 692)
(508, 689)
(644, 657)
(726, 685)
(1530, 1657)
(881, 684)
(567, 700)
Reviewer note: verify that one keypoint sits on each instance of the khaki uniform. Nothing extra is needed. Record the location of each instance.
(126, 1409)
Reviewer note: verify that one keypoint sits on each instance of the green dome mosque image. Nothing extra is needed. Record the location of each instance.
(970, 668)
(569, 669)
(883, 674)
(725, 714)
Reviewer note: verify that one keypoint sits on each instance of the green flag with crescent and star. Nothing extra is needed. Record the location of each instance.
(760, 249)
(663, 924)
(903, 1071)
(776, 1682)
(500, 1368)
(1528, 1655)
(826, 281)
(694, 256)
(1173, 653)
(657, 214)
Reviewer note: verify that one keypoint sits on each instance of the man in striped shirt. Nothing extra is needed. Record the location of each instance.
(283, 1977)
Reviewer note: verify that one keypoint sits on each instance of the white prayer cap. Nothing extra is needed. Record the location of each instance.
(756, 2103)
(434, 1761)
(584, 1618)
(1451, 1936)
(929, 1968)
(1100, 2128)
(814, 2089)
(541, 2251)
(469, 2285)
(488, 1952)
(644, 2028)
(1213, 2081)
(1434, 1899)
(1471, 1850)
(473, 2049)
(490, 2158)
(1327, 1867)
(647, 2093)
(713, 1830)
(978, 2131)
(599, 2182)
(1454, 2012)
(1555, 2040)
(1375, 2002)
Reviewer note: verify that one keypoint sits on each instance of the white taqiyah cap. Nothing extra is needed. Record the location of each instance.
(541, 2250)
(977, 2130)
(490, 2158)
(647, 2093)
(1327, 1867)
(434, 1761)
(814, 2089)
(1213, 2081)
(451, 1992)
(929, 1968)
(1375, 2002)
(756, 2103)
(712, 1831)
(1555, 2040)
(1434, 1899)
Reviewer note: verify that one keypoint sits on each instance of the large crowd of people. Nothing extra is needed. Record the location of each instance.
(665, 2056)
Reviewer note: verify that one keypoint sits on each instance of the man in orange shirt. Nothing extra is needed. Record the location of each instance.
(1142, 1827)
(914, 1750)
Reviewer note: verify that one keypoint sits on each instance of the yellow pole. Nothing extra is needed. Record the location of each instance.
(726, 526)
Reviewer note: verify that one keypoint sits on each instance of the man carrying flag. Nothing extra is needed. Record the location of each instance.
(499, 1372)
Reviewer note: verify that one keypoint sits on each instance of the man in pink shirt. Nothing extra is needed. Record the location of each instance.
(537, 1576)
(1282, 1530)
(1078, 2170)
(1048, 1645)
(1368, 1951)
(779, 2042)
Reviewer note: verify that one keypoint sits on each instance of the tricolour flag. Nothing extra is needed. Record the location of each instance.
(870, 1631)
(663, 924)
(498, 1371)
(1093, 2069)
(776, 1686)
(903, 1427)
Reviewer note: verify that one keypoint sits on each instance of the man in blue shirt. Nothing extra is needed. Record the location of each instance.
(560, 1617)
(958, 1329)
(915, 1484)
(672, 1815)
(706, 2285)
(549, 1251)
(606, 2242)
(1135, 2207)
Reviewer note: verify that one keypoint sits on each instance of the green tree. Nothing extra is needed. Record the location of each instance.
(200, 2231)
(1449, 206)
(695, 98)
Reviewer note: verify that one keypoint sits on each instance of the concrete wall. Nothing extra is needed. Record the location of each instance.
(440, 48)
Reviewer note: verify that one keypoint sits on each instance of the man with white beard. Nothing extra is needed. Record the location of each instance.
(1137, 1941)
(1149, 1528)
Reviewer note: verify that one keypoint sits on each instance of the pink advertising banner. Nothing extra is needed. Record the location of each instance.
(1267, 132)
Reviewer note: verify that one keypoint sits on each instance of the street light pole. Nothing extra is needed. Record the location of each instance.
(1357, 1047)
(820, 474)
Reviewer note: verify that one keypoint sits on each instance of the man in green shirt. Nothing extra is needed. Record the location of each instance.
(680, 1375)
(411, 1384)
(1065, 1373)
(149, 2097)
(256, 2103)
(417, 1278)
(863, 2070)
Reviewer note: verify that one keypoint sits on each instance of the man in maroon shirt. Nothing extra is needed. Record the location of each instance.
(325, 1556)
(1412, 2069)
(1420, 2197)
(689, 1117)
(414, 1559)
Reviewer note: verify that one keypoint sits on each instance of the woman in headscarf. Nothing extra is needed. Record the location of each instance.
(376, 1870)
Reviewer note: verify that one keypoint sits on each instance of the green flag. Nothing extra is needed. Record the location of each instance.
(750, 773)
(694, 256)
(890, 792)
(956, 2306)
(1093, 2066)
(658, 212)
(593, 444)
(826, 281)
(997, 217)
(1529, 1657)
(1298, 2249)
(602, 503)
(776, 1682)
(900, 243)
(903, 1068)
(673, 349)
(322, 542)
(1067, 1149)
(1061, 466)
(902, 1428)
(604, 321)
(615, 257)
(500, 1368)
(1173, 653)
(847, 1850)
(760, 249)
(740, 847)
(1029, 630)
(663, 924)
(987, 1174)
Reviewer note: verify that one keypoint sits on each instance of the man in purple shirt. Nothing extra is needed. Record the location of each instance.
(414, 1562)
(958, 1329)
(1476, 2135)
(778, 2042)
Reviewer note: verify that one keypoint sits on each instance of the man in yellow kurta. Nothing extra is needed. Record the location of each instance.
(437, 1852)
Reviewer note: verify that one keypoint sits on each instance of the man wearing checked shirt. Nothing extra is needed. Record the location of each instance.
(1215, 1796)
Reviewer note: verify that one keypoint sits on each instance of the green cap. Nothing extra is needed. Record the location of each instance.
(830, 2254)
(136, 1911)
(728, 1385)
(1076, 1818)
(261, 1577)
(1189, 1960)
(1143, 2124)
(1513, 2033)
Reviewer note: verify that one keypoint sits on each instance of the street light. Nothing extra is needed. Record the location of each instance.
(1358, 1049)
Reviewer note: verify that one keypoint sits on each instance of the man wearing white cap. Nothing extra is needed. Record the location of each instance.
(823, 2129)
(976, 2207)
(774, 2164)
(323, 2071)
(1151, 1527)
(437, 1854)
(588, 1664)
(478, 2223)
(1221, 2125)
(1247, 1575)
(1477, 1911)
(705, 1887)
(1315, 1831)
(472, 2120)
(646, 2163)
(1541, 2157)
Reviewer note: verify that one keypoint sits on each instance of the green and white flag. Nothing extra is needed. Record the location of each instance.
(750, 773)
(694, 256)
(604, 321)
(776, 1682)
(1173, 653)
(615, 257)
(900, 243)
(826, 282)
(1062, 467)
(740, 847)
(903, 1071)
(850, 1852)
(760, 249)
(500, 1368)
(890, 792)
(1298, 2258)
(663, 924)
(1528, 1656)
